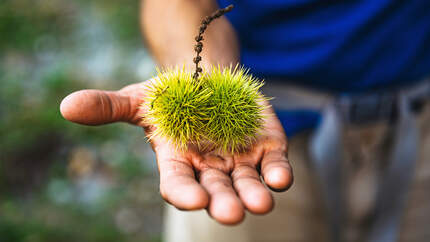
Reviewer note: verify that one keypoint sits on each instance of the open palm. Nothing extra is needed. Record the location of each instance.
(224, 184)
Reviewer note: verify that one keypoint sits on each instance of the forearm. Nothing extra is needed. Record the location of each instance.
(169, 28)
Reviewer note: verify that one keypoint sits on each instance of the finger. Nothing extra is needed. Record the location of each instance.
(95, 107)
(256, 198)
(178, 185)
(276, 170)
(224, 206)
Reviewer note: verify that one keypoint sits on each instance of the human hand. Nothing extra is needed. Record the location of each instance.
(224, 184)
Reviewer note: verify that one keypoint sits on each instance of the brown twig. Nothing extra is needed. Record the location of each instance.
(199, 46)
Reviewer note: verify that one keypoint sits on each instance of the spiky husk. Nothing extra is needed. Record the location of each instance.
(222, 110)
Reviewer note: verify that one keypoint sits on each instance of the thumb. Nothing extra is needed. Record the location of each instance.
(95, 107)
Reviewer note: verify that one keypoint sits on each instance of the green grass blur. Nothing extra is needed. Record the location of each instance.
(61, 181)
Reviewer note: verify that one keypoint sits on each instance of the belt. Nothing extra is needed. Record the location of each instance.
(354, 108)
(382, 106)
(326, 147)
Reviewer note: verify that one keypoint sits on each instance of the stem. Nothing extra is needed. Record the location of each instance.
(199, 46)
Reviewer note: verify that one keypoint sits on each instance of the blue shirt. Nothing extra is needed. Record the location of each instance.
(338, 45)
(342, 46)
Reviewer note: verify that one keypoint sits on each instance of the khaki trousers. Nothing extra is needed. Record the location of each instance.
(299, 213)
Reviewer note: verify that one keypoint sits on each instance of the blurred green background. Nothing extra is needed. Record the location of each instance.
(60, 181)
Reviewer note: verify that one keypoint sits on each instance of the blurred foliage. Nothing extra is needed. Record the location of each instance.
(61, 181)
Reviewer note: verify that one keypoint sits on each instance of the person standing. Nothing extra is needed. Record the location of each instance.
(350, 85)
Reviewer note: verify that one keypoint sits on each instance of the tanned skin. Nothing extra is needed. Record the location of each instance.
(226, 185)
